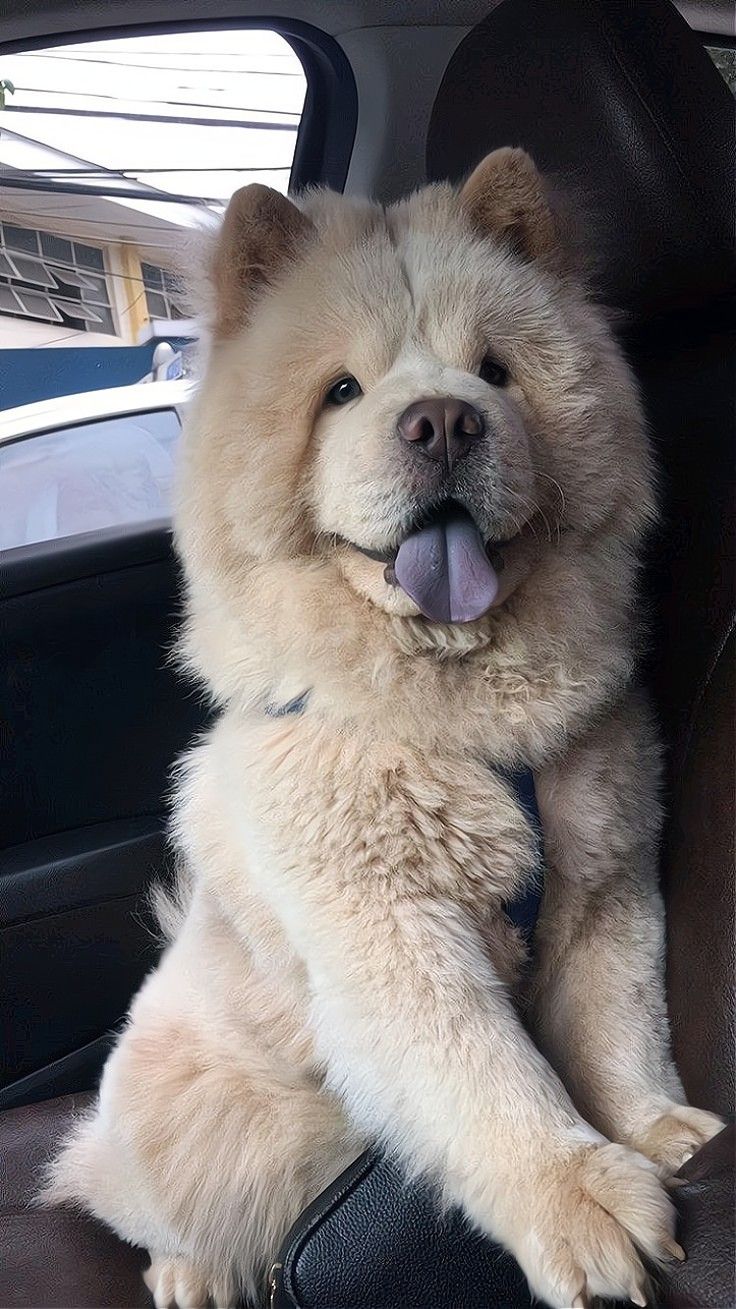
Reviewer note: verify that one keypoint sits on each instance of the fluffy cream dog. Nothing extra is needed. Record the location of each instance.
(413, 492)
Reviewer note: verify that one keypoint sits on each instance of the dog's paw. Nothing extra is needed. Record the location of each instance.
(675, 1136)
(177, 1283)
(593, 1219)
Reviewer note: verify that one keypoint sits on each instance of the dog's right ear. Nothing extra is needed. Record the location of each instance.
(261, 231)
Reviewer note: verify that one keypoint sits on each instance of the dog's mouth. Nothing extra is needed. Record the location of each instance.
(445, 565)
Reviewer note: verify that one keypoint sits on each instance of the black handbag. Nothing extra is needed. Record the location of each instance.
(371, 1240)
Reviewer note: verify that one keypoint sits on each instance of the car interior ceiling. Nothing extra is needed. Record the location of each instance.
(94, 712)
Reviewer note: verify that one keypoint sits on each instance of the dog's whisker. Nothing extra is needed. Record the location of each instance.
(331, 539)
(563, 503)
(548, 477)
(534, 509)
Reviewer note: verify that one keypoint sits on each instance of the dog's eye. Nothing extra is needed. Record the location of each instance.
(347, 389)
(493, 373)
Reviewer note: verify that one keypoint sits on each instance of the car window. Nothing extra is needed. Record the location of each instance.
(117, 157)
(86, 477)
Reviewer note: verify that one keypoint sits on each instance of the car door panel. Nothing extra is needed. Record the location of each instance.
(93, 717)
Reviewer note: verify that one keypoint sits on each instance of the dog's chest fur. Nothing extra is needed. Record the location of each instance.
(276, 810)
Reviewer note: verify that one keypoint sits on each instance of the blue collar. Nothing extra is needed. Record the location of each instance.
(524, 910)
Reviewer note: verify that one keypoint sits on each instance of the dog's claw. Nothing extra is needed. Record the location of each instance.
(674, 1249)
(637, 1296)
(674, 1183)
(581, 1300)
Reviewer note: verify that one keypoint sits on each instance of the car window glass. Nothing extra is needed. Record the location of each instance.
(87, 477)
(118, 157)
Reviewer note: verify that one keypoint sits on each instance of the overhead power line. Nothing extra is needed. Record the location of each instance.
(139, 242)
(86, 188)
(80, 52)
(184, 104)
(73, 52)
(261, 125)
(170, 68)
(121, 170)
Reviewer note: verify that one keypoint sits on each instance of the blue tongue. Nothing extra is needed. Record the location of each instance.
(445, 570)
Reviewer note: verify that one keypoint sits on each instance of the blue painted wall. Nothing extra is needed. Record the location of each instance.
(28, 375)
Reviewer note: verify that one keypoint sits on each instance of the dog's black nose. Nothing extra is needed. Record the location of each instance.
(442, 428)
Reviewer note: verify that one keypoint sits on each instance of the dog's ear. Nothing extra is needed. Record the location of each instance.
(505, 197)
(262, 230)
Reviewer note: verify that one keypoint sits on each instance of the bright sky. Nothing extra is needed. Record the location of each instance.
(238, 76)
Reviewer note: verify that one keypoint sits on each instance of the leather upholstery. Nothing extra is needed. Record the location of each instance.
(372, 1241)
(687, 370)
(707, 1204)
(54, 1258)
(623, 104)
(700, 898)
(369, 1241)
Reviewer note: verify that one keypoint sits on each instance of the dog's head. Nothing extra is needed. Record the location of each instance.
(422, 393)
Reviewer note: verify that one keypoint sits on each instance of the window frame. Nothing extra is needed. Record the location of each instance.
(167, 291)
(326, 131)
(57, 298)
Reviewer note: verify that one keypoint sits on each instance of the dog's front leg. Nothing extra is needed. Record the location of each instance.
(367, 857)
(597, 1000)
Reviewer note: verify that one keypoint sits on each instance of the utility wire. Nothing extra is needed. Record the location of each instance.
(69, 52)
(78, 331)
(73, 212)
(40, 345)
(42, 185)
(260, 125)
(111, 193)
(170, 68)
(143, 244)
(184, 104)
(120, 170)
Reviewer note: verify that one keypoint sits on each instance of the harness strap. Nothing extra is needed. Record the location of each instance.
(295, 706)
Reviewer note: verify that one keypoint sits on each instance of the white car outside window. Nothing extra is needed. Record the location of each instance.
(113, 466)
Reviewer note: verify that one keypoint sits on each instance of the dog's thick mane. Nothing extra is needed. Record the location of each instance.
(268, 617)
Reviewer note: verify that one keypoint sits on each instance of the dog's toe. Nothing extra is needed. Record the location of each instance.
(675, 1136)
(176, 1283)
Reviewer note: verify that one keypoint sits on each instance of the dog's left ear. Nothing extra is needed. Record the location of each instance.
(505, 197)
